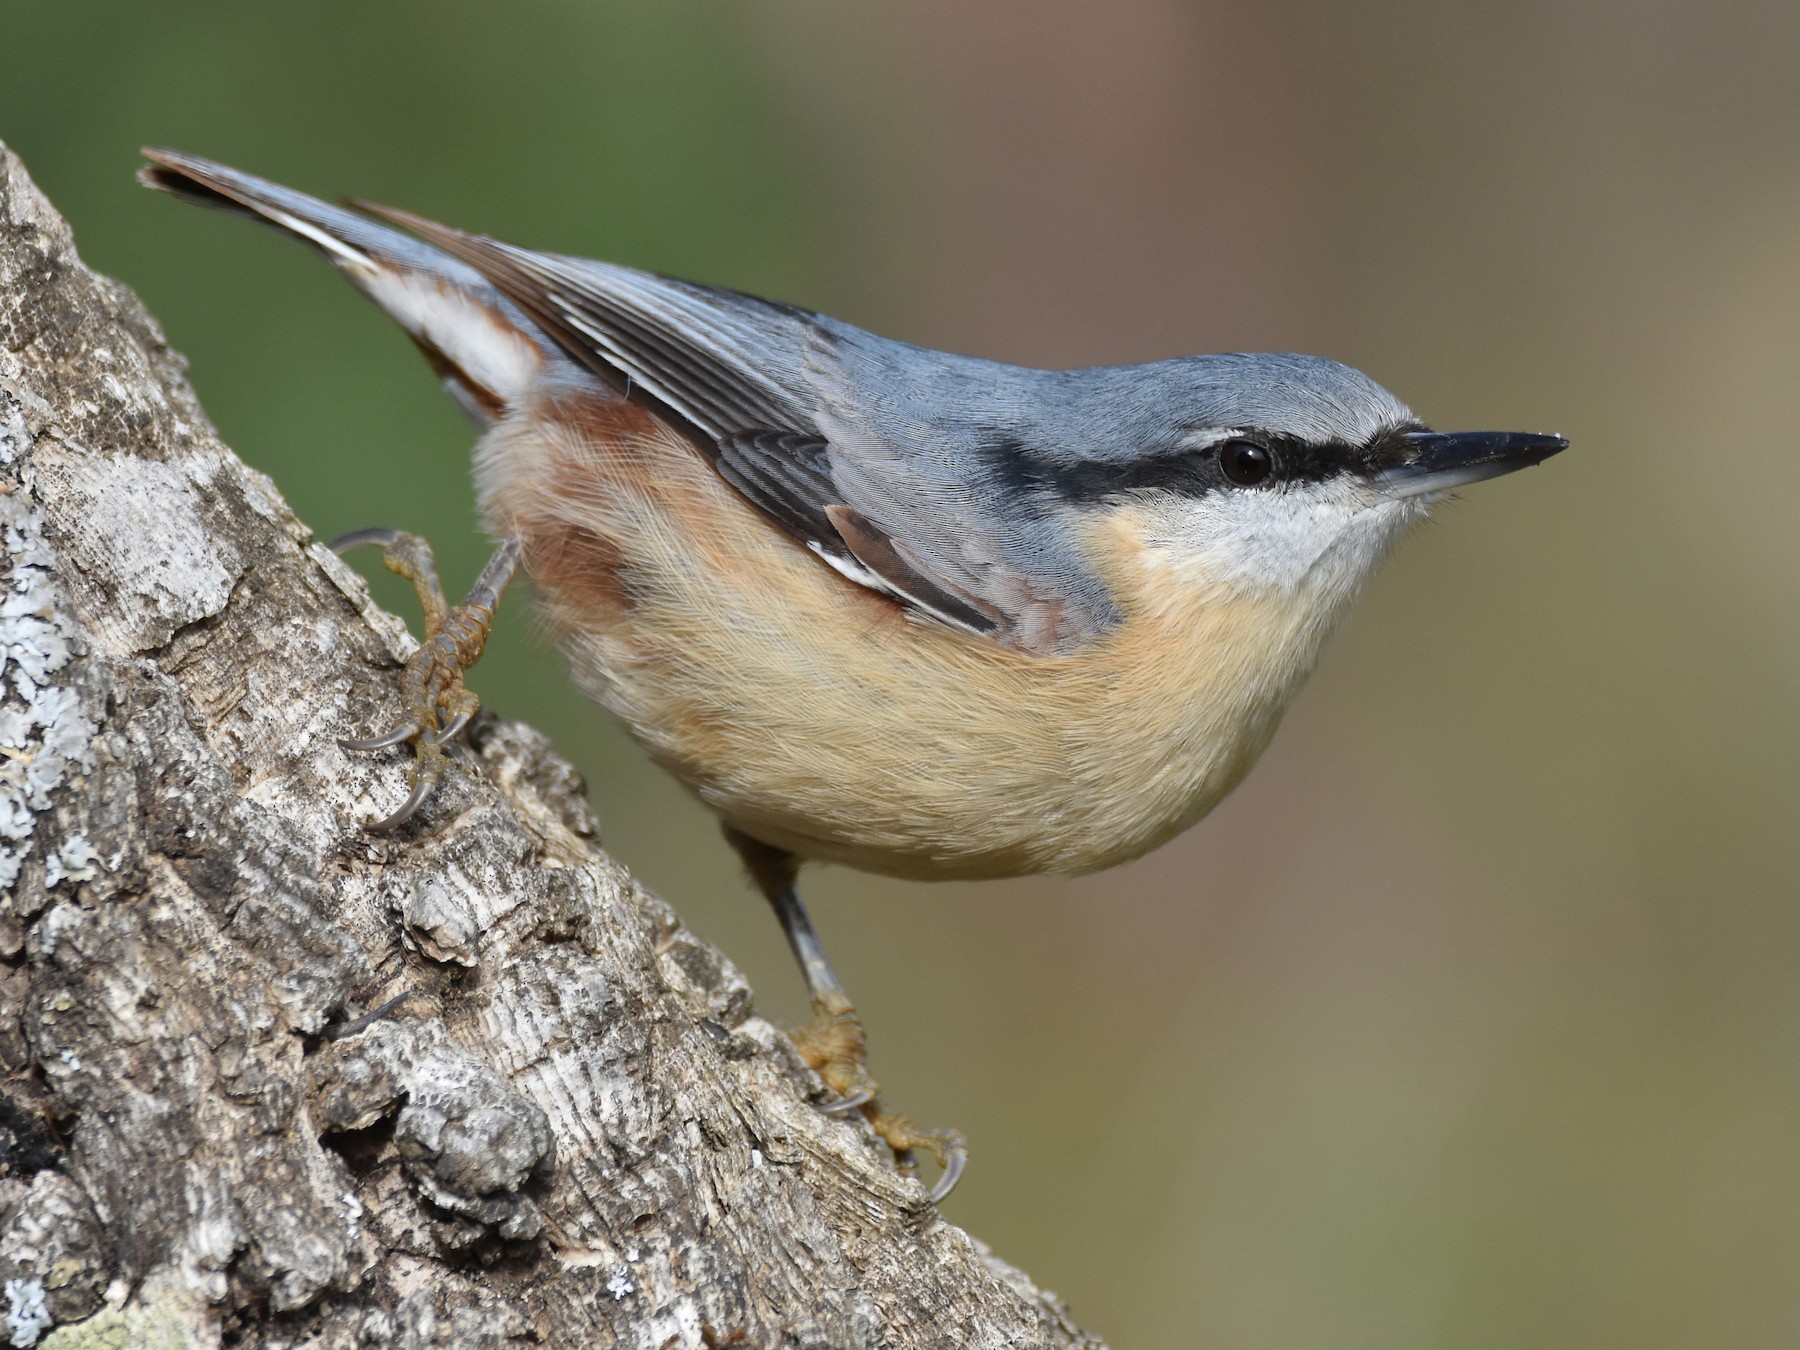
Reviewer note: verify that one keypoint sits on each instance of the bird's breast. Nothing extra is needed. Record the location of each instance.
(818, 716)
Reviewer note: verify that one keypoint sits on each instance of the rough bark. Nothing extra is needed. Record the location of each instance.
(576, 1132)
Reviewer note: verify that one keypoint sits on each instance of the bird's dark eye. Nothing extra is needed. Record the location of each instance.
(1245, 462)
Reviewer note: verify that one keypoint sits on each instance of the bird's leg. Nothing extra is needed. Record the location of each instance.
(437, 704)
(832, 1041)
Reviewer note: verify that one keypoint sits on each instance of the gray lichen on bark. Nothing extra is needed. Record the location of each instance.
(574, 1131)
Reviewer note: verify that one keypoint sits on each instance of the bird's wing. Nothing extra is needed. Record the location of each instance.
(764, 386)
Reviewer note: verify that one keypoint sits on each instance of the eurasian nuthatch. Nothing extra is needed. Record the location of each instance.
(918, 613)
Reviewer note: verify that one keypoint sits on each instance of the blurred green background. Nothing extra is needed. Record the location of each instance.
(1471, 1020)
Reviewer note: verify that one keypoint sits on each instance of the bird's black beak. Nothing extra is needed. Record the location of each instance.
(1443, 460)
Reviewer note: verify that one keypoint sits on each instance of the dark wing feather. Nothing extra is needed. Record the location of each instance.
(785, 475)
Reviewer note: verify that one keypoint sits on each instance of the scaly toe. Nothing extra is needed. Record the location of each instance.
(438, 708)
(947, 1147)
(833, 1045)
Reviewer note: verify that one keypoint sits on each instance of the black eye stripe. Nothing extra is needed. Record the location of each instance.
(1187, 470)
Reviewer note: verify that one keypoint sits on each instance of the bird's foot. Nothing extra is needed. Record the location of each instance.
(436, 705)
(947, 1147)
(834, 1046)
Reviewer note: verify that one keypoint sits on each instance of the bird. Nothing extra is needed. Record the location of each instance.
(918, 613)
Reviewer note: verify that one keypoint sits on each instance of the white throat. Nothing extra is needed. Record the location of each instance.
(1317, 543)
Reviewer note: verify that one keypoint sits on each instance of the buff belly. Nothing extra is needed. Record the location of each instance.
(817, 716)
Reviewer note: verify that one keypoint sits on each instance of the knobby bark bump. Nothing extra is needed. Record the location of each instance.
(574, 1131)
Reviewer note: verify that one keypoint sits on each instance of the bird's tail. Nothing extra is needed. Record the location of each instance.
(485, 350)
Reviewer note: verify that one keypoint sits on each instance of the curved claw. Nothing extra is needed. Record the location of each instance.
(408, 808)
(956, 1161)
(376, 534)
(845, 1105)
(451, 731)
(404, 732)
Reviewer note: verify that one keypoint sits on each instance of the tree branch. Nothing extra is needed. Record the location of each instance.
(573, 1130)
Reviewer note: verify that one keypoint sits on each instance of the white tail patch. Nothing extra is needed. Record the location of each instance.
(484, 348)
(336, 248)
